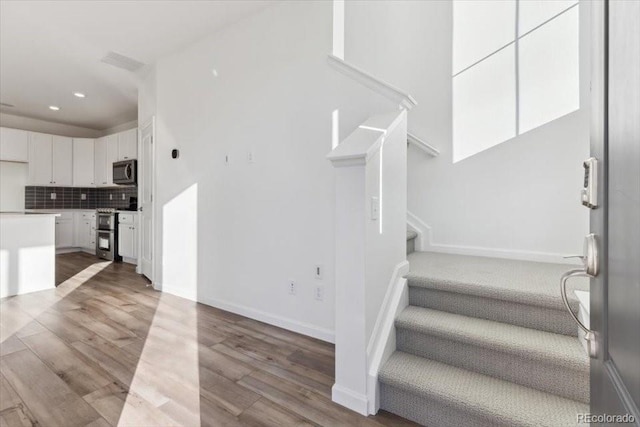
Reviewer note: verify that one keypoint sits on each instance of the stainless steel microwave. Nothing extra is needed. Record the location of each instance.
(125, 172)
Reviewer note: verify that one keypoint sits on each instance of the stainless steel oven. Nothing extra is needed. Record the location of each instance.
(125, 172)
(107, 235)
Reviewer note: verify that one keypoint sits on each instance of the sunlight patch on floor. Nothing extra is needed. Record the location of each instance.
(168, 370)
(17, 311)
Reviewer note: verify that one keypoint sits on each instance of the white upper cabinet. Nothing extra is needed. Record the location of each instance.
(101, 162)
(40, 159)
(14, 145)
(62, 149)
(106, 153)
(50, 159)
(128, 144)
(112, 156)
(83, 162)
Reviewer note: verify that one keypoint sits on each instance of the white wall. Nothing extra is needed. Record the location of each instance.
(519, 198)
(37, 125)
(13, 179)
(235, 235)
(120, 128)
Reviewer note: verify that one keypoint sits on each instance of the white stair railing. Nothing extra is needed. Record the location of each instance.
(371, 207)
(429, 149)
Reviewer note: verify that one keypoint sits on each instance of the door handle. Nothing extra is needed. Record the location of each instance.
(590, 269)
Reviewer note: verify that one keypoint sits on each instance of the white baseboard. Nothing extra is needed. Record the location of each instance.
(424, 242)
(252, 313)
(386, 343)
(182, 293)
(322, 334)
(386, 308)
(67, 250)
(349, 399)
(501, 253)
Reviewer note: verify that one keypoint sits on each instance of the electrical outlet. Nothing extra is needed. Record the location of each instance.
(83, 196)
(292, 287)
(110, 196)
(319, 271)
(123, 196)
(53, 196)
(318, 292)
(250, 157)
(227, 160)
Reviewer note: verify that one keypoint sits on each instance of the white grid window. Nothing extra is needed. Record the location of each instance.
(515, 68)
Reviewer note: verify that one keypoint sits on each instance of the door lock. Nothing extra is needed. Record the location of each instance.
(589, 193)
(591, 268)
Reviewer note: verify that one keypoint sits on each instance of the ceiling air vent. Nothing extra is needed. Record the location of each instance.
(4, 104)
(122, 61)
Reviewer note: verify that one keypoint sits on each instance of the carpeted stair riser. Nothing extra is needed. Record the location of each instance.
(432, 393)
(429, 412)
(514, 313)
(411, 241)
(540, 375)
(411, 246)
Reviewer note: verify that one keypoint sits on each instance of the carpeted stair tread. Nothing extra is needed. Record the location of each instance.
(411, 234)
(524, 282)
(556, 349)
(482, 397)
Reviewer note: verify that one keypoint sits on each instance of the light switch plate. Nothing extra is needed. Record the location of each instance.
(375, 208)
(83, 196)
(53, 196)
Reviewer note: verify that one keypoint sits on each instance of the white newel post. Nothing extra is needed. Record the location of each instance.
(358, 164)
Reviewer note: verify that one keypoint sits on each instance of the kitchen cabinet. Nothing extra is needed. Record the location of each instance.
(64, 230)
(50, 159)
(85, 230)
(100, 162)
(128, 144)
(128, 236)
(83, 162)
(40, 159)
(14, 145)
(106, 153)
(112, 156)
(62, 160)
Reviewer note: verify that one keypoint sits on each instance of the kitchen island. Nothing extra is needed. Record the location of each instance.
(27, 252)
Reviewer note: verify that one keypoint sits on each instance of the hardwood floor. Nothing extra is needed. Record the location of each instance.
(105, 349)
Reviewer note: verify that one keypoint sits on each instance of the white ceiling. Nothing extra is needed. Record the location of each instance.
(50, 49)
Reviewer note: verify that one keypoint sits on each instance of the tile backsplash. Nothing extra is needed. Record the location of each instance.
(77, 198)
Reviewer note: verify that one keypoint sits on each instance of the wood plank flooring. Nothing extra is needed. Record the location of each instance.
(105, 349)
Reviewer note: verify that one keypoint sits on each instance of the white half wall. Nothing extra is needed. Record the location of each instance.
(248, 206)
(520, 197)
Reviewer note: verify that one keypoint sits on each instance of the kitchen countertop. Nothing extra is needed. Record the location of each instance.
(36, 211)
(24, 214)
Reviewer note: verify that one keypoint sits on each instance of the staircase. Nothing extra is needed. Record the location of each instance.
(485, 342)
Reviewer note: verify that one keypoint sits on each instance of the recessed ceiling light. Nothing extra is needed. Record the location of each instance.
(79, 94)
(54, 107)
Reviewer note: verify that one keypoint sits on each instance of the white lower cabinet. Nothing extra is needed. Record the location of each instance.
(65, 230)
(128, 236)
(85, 230)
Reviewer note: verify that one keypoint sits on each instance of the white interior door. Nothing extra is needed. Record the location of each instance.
(146, 167)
